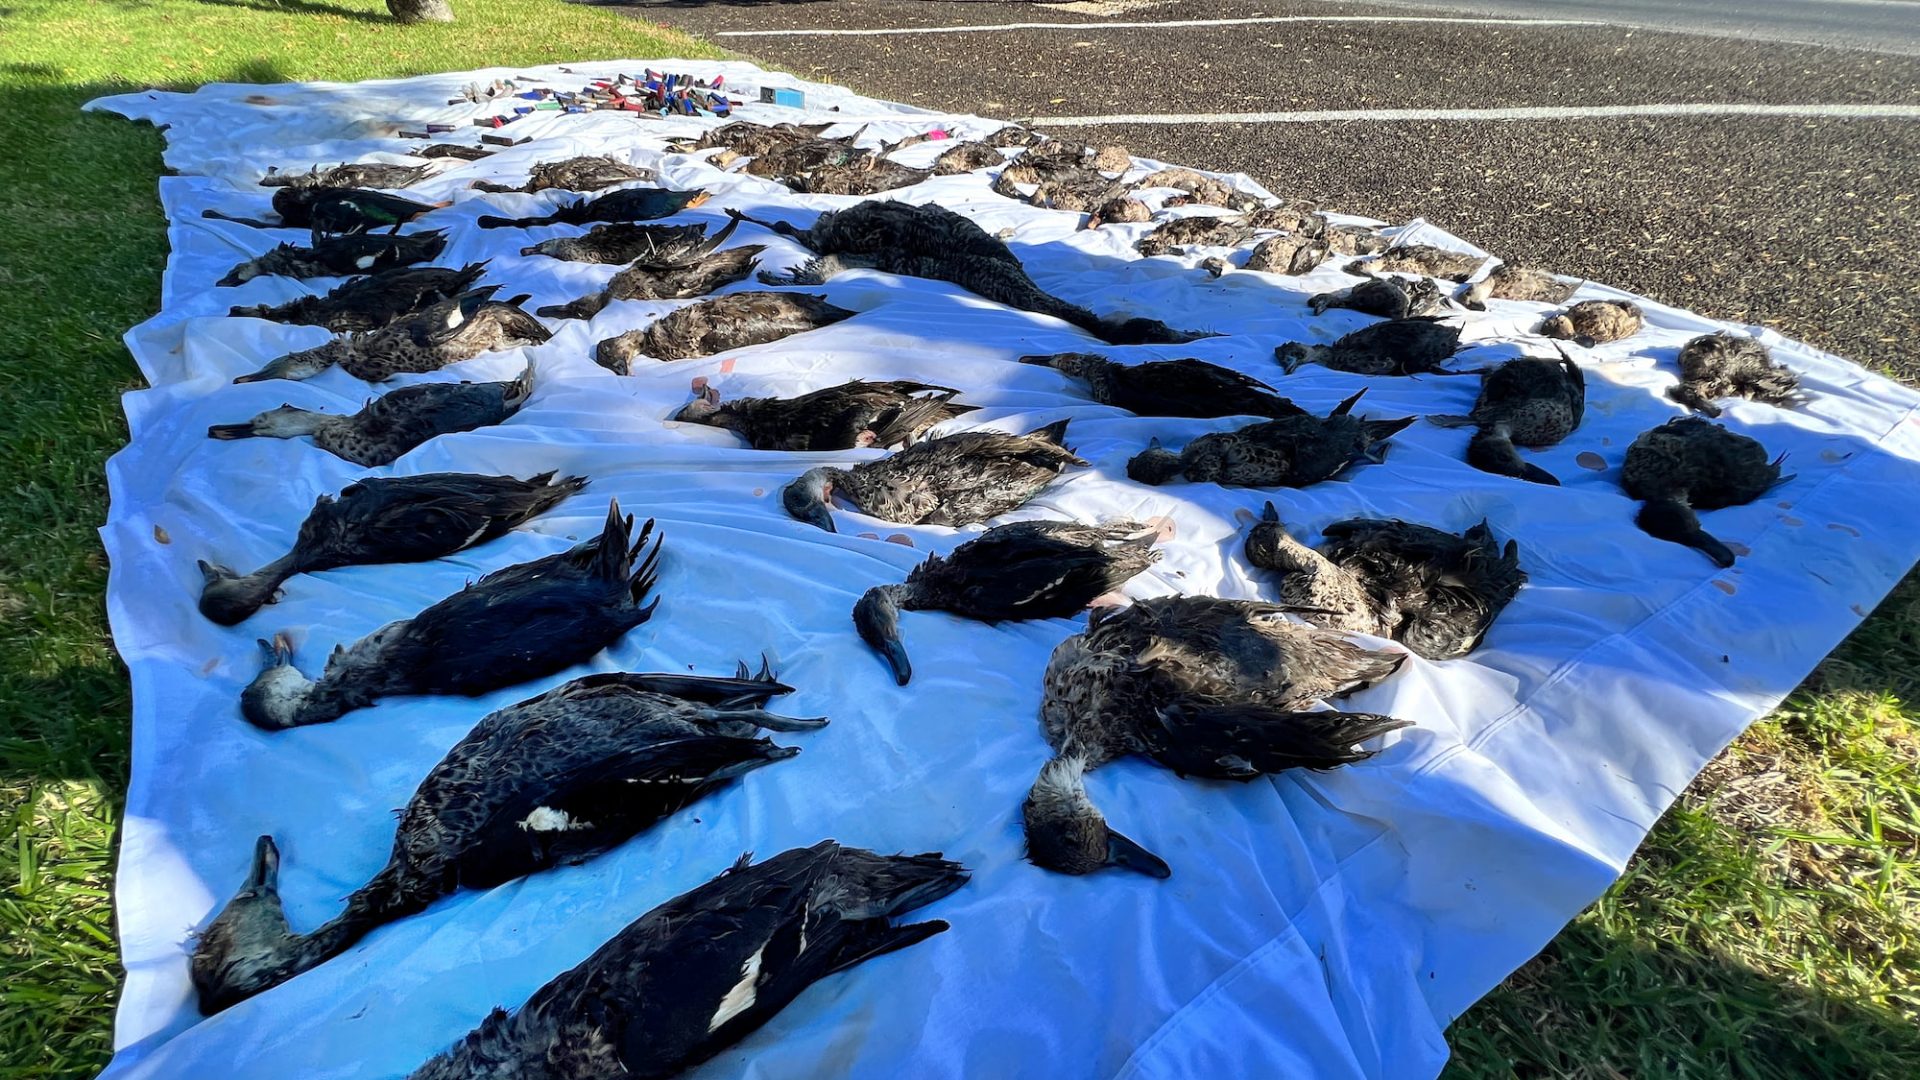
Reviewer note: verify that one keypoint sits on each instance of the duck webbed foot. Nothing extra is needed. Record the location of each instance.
(816, 271)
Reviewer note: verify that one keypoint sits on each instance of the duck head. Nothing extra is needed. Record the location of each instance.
(284, 422)
(228, 598)
(806, 498)
(1067, 834)
(275, 698)
(704, 409)
(1269, 544)
(249, 946)
(877, 618)
(1672, 519)
(1155, 465)
(304, 364)
(1291, 355)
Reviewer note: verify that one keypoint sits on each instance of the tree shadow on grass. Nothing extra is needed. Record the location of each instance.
(305, 7)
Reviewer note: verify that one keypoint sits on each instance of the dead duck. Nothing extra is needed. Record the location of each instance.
(340, 256)
(586, 173)
(371, 174)
(1411, 346)
(553, 780)
(1508, 282)
(1198, 188)
(798, 158)
(522, 622)
(1110, 158)
(450, 150)
(748, 139)
(870, 176)
(1423, 260)
(934, 242)
(1690, 464)
(1526, 402)
(1205, 687)
(852, 414)
(1596, 322)
(1384, 298)
(1014, 136)
(1123, 210)
(329, 211)
(1197, 231)
(393, 423)
(1057, 185)
(387, 520)
(447, 332)
(967, 157)
(733, 321)
(625, 242)
(1291, 254)
(663, 281)
(1186, 387)
(953, 480)
(369, 303)
(626, 204)
(733, 952)
(1724, 365)
(1433, 591)
(1293, 451)
(1026, 570)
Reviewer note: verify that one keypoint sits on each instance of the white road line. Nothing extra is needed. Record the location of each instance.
(1169, 24)
(1550, 112)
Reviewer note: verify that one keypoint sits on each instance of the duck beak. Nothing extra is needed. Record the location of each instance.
(1127, 855)
(896, 655)
(230, 431)
(266, 865)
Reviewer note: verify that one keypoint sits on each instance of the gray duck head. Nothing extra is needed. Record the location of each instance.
(877, 618)
(806, 498)
(249, 946)
(285, 422)
(1291, 355)
(1067, 834)
(1155, 465)
(1671, 519)
(228, 598)
(276, 697)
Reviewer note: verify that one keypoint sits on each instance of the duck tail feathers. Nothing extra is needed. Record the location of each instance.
(1346, 406)
(914, 417)
(1451, 420)
(1055, 433)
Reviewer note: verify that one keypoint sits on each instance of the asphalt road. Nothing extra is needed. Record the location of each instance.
(1805, 224)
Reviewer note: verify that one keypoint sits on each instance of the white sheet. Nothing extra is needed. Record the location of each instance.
(1325, 925)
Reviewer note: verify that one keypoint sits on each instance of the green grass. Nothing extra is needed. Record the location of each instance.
(1768, 928)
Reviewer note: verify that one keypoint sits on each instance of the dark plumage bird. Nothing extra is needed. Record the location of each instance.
(934, 242)
(953, 480)
(732, 321)
(1186, 387)
(1384, 298)
(748, 139)
(369, 303)
(1690, 464)
(450, 150)
(589, 173)
(1509, 282)
(1026, 570)
(1724, 365)
(1423, 260)
(329, 211)
(1596, 322)
(680, 275)
(624, 242)
(387, 520)
(1293, 451)
(626, 204)
(1206, 687)
(1433, 591)
(870, 176)
(1199, 231)
(522, 622)
(394, 423)
(966, 157)
(852, 414)
(1415, 346)
(1525, 402)
(799, 158)
(372, 174)
(340, 256)
(554, 780)
(447, 332)
(699, 972)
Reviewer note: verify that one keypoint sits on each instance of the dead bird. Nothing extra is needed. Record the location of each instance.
(1013, 135)
(340, 256)
(446, 332)
(732, 321)
(393, 423)
(554, 780)
(371, 174)
(1026, 570)
(795, 158)
(1198, 188)
(1723, 365)
(1384, 298)
(1596, 322)
(1509, 282)
(967, 157)
(522, 622)
(1424, 260)
(450, 150)
(1526, 402)
(1433, 591)
(586, 173)
(1110, 158)
(626, 204)
(1196, 231)
(852, 414)
(387, 520)
(1124, 209)
(954, 480)
(1186, 387)
(869, 177)
(748, 139)
(624, 242)
(696, 974)
(1412, 346)
(331, 211)
(1292, 254)
(934, 242)
(1058, 186)
(369, 303)
(1293, 451)
(1205, 687)
(1690, 464)
(1349, 239)
(663, 281)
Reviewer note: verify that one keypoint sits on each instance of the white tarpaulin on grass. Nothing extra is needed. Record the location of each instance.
(1315, 925)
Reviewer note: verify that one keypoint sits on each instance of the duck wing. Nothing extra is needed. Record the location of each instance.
(1241, 741)
(1195, 388)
